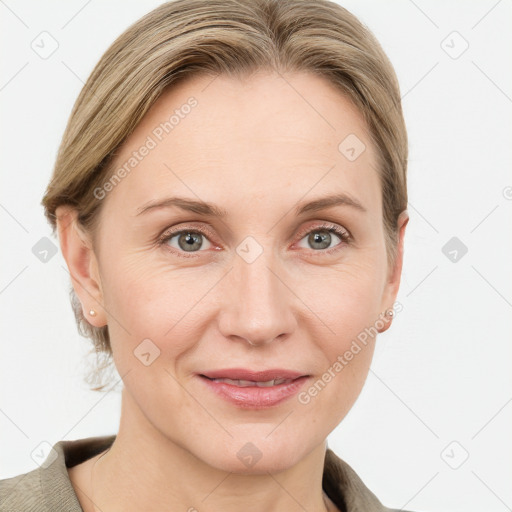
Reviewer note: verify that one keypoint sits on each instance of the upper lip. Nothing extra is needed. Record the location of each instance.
(252, 375)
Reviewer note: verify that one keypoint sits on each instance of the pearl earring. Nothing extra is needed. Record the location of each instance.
(92, 312)
(390, 312)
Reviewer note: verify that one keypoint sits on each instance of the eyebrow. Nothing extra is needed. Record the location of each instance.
(186, 204)
(211, 210)
(328, 202)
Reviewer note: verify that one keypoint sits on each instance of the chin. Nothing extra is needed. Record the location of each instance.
(261, 455)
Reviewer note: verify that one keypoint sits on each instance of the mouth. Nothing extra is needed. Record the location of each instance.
(248, 383)
(244, 374)
(254, 390)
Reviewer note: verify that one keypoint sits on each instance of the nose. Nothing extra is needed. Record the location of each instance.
(257, 304)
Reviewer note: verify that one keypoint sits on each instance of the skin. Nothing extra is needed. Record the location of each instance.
(254, 147)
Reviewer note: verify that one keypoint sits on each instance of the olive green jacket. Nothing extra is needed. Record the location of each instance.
(49, 489)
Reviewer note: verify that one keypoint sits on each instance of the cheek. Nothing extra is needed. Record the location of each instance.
(154, 302)
(348, 303)
(150, 331)
(345, 298)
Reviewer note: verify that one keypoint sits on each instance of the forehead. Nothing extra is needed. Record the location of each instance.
(260, 136)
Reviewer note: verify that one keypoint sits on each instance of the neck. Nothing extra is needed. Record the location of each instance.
(145, 470)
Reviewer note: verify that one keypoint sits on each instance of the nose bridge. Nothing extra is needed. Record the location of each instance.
(257, 306)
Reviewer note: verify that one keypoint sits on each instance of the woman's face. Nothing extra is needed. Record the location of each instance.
(261, 287)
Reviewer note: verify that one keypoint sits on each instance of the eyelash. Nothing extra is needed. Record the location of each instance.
(331, 228)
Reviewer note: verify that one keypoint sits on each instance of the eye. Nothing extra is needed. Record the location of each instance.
(320, 237)
(184, 242)
(187, 240)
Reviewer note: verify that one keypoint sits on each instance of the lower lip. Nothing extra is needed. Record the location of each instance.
(253, 397)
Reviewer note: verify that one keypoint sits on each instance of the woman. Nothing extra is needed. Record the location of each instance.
(230, 199)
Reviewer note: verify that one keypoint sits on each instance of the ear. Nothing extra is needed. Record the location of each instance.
(78, 252)
(395, 271)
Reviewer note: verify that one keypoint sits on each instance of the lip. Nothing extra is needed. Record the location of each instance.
(257, 376)
(253, 397)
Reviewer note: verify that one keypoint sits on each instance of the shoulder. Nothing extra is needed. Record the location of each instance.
(22, 492)
(344, 486)
(48, 488)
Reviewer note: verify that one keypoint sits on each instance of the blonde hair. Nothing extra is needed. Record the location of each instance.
(182, 38)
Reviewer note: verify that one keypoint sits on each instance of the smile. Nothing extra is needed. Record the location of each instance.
(250, 394)
(260, 384)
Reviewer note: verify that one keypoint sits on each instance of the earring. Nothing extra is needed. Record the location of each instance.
(390, 313)
(92, 312)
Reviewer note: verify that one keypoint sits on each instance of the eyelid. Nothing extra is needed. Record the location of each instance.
(339, 230)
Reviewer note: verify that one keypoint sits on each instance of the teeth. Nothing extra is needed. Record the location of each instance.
(243, 383)
(247, 383)
(267, 383)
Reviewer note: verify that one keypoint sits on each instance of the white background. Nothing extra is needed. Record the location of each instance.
(442, 373)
